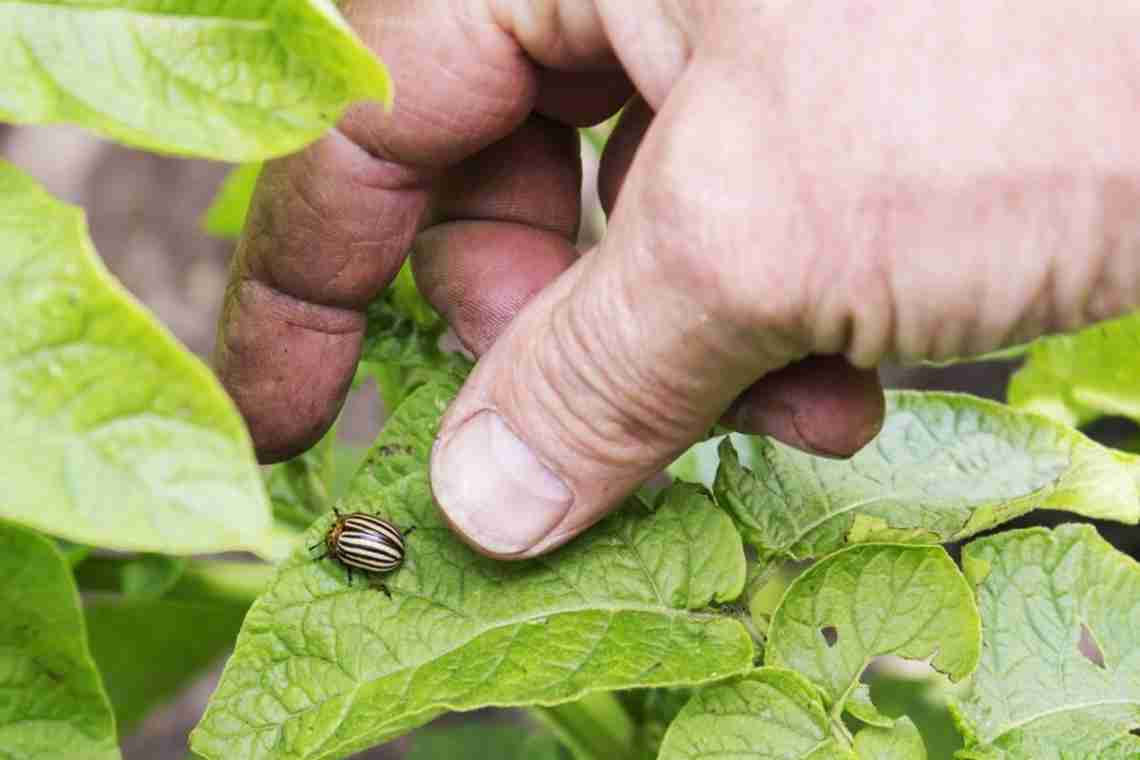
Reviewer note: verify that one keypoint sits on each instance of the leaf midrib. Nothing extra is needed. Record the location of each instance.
(350, 695)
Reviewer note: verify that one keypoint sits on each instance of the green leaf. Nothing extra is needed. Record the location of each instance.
(1076, 378)
(232, 80)
(114, 434)
(1040, 692)
(401, 345)
(945, 466)
(861, 707)
(900, 742)
(148, 650)
(53, 705)
(480, 740)
(149, 576)
(323, 669)
(771, 714)
(226, 215)
(407, 299)
(699, 462)
(870, 600)
(300, 489)
(595, 727)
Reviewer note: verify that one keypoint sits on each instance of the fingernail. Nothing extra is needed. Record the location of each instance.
(493, 489)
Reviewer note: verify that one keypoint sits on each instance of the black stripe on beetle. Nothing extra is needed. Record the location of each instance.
(365, 542)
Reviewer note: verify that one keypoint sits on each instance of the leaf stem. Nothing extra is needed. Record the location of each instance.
(595, 727)
(839, 728)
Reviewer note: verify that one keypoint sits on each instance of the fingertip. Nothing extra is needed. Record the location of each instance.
(287, 365)
(479, 274)
(822, 405)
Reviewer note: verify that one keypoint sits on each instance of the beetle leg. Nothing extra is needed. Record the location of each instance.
(350, 576)
(384, 588)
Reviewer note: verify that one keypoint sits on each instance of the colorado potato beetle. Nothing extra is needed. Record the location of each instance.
(365, 542)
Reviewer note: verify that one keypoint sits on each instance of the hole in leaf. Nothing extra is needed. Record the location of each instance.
(830, 634)
(1088, 647)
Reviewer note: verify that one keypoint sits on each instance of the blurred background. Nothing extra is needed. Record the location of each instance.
(144, 214)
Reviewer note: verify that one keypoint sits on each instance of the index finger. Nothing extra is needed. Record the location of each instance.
(329, 226)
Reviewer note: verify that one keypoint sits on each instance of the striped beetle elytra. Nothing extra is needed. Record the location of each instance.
(365, 542)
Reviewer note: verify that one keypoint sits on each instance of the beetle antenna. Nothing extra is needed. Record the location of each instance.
(408, 530)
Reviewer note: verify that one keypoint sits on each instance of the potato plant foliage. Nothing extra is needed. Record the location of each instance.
(736, 613)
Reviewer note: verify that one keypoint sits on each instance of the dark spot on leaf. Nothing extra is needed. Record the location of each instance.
(830, 634)
(1088, 647)
(392, 450)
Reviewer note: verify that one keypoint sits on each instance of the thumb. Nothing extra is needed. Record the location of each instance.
(607, 374)
(580, 400)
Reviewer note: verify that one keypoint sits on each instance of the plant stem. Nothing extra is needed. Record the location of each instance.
(225, 580)
(595, 727)
(220, 580)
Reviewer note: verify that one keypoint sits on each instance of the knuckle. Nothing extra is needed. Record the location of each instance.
(724, 250)
(601, 402)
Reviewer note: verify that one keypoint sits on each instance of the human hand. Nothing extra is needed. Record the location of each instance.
(819, 180)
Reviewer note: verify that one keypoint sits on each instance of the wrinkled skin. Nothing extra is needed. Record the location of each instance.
(805, 189)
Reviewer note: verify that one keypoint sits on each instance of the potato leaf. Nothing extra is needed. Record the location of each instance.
(870, 600)
(323, 669)
(771, 714)
(861, 707)
(226, 215)
(899, 742)
(1059, 676)
(234, 80)
(1076, 378)
(54, 705)
(115, 435)
(945, 466)
(401, 346)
